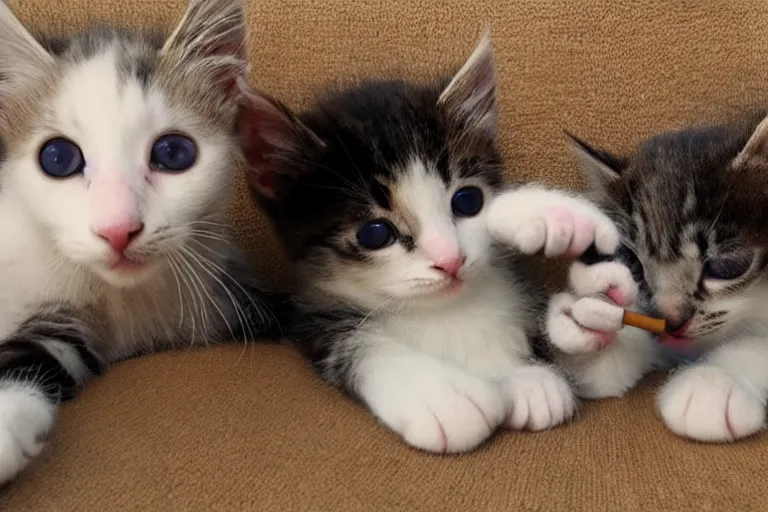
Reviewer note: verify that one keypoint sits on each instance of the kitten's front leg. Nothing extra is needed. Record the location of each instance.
(45, 361)
(538, 398)
(722, 398)
(533, 219)
(431, 405)
(602, 363)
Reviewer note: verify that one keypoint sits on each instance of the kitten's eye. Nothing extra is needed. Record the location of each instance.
(727, 267)
(61, 158)
(173, 152)
(376, 234)
(467, 202)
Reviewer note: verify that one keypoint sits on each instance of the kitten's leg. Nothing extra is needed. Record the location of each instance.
(723, 397)
(533, 219)
(538, 397)
(45, 361)
(431, 405)
(602, 364)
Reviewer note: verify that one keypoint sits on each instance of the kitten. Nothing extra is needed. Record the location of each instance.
(688, 255)
(119, 155)
(387, 196)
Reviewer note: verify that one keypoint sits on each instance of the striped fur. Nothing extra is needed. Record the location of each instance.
(690, 255)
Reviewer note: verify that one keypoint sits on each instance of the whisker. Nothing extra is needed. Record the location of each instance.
(194, 257)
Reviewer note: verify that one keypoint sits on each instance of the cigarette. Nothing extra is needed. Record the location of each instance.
(646, 323)
(599, 315)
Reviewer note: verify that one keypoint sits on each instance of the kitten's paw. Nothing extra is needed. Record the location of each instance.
(26, 416)
(443, 411)
(535, 219)
(567, 333)
(538, 398)
(610, 278)
(706, 404)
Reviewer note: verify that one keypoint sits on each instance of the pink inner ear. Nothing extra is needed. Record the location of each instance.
(267, 183)
(257, 153)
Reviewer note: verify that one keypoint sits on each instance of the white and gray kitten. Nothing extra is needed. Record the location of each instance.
(388, 197)
(689, 255)
(118, 156)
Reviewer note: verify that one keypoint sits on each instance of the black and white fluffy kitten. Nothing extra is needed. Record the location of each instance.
(686, 256)
(119, 152)
(388, 196)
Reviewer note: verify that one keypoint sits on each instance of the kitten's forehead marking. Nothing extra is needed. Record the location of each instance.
(105, 113)
(419, 195)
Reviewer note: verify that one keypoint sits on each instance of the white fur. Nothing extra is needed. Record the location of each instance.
(432, 405)
(588, 280)
(535, 219)
(593, 313)
(26, 416)
(605, 358)
(538, 398)
(723, 398)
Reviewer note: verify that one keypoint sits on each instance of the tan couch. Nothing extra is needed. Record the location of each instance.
(252, 428)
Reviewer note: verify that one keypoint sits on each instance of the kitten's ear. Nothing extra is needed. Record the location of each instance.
(755, 151)
(210, 42)
(270, 131)
(470, 96)
(23, 60)
(598, 166)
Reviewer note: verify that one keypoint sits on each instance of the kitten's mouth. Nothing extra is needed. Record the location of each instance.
(675, 341)
(124, 265)
(677, 338)
(449, 288)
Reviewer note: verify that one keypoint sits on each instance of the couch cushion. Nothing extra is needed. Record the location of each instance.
(254, 429)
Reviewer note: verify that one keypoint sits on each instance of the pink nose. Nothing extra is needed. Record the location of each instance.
(120, 236)
(451, 266)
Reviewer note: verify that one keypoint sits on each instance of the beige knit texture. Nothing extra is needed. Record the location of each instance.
(253, 429)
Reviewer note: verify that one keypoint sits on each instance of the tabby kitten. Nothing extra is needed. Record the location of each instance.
(688, 255)
(119, 152)
(387, 196)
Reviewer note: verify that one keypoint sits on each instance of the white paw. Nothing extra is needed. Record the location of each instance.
(534, 219)
(610, 278)
(567, 334)
(441, 410)
(538, 398)
(706, 404)
(25, 418)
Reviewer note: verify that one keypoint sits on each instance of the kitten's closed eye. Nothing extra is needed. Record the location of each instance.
(730, 266)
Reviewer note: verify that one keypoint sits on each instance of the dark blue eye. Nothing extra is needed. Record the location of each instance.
(467, 202)
(727, 267)
(60, 158)
(376, 234)
(174, 153)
